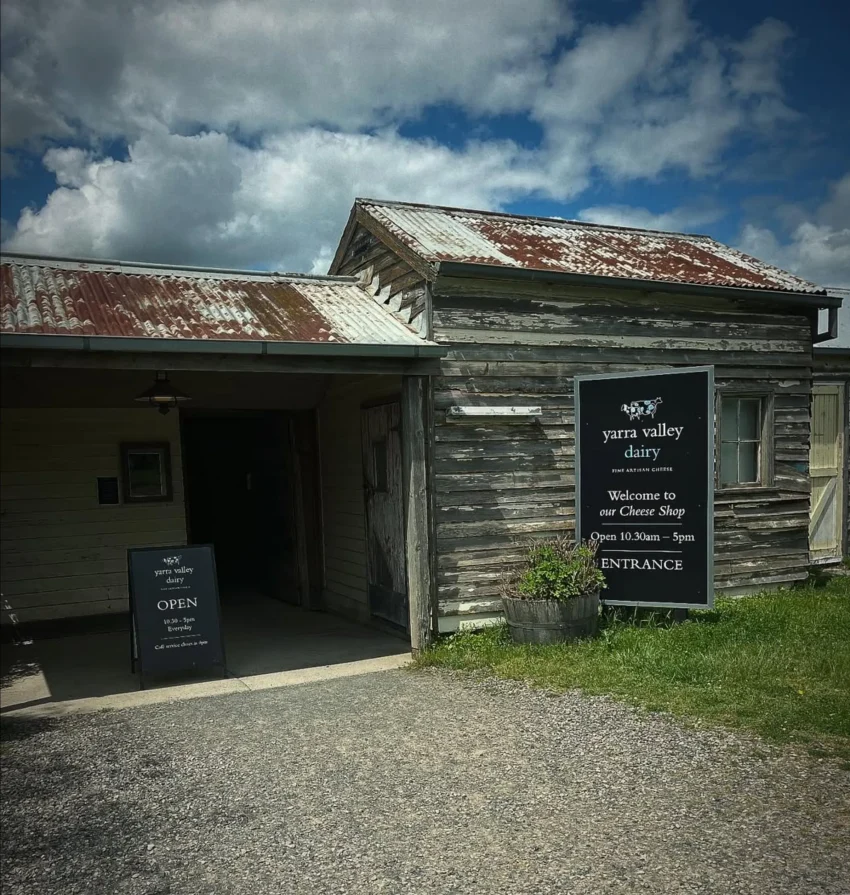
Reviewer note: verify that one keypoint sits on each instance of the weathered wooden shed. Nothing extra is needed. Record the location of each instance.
(298, 454)
(524, 304)
(380, 442)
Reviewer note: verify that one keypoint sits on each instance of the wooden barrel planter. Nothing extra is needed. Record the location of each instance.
(551, 621)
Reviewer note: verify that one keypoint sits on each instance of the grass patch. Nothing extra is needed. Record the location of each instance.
(777, 664)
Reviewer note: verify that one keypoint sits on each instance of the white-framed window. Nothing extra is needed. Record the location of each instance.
(742, 423)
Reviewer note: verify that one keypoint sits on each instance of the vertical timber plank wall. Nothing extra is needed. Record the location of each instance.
(846, 380)
(63, 554)
(846, 542)
(343, 506)
(500, 482)
(833, 365)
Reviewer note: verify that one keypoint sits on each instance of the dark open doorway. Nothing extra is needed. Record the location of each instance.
(240, 498)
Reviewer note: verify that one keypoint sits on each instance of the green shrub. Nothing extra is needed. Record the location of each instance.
(556, 569)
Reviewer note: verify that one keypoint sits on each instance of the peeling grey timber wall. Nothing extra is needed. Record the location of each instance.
(501, 482)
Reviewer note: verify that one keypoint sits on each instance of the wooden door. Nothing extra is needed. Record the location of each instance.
(826, 468)
(382, 483)
(236, 484)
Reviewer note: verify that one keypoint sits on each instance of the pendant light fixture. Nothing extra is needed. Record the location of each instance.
(162, 394)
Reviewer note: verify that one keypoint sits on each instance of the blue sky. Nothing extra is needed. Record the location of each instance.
(238, 133)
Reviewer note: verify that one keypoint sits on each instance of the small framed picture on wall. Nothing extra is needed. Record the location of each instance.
(146, 472)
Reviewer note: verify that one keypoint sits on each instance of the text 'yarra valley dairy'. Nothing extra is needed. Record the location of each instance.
(644, 483)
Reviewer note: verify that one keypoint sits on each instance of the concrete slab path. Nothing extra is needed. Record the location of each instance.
(267, 644)
(407, 783)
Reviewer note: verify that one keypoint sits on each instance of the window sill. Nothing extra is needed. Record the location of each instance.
(732, 490)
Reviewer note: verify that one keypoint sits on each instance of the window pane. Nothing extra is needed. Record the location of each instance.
(728, 464)
(748, 419)
(729, 419)
(748, 462)
(146, 478)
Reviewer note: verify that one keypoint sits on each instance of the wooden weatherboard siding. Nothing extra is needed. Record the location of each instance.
(64, 554)
(499, 482)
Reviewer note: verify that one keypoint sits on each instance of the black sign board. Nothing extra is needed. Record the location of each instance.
(645, 484)
(176, 619)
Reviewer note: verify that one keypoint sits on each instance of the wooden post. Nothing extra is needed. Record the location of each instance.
(416, 528)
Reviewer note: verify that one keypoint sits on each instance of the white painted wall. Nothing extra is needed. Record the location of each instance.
(64, 555)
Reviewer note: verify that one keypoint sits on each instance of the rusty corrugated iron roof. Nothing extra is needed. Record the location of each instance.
(49, 296)
(439, 234)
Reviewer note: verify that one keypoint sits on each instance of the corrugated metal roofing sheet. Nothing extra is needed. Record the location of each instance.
(551, 244)
(57, 297)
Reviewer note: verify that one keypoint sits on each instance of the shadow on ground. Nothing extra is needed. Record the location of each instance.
(262, 636)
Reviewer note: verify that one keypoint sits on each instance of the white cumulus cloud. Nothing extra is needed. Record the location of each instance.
(679, 220)
(207, 199)
(817, 246)
(252, 124)
(656, 92)
(115, 69)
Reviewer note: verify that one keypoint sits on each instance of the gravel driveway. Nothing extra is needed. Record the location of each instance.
(411, 783)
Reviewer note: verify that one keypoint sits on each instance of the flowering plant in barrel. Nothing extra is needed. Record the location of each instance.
(553, 594)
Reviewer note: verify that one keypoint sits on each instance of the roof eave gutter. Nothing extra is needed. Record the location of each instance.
(464, 269)
(36, 341)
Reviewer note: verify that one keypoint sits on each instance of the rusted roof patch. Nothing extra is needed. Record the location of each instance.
(50, 297)
(575, 247)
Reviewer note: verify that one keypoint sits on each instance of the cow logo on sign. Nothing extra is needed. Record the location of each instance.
(636, 410)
